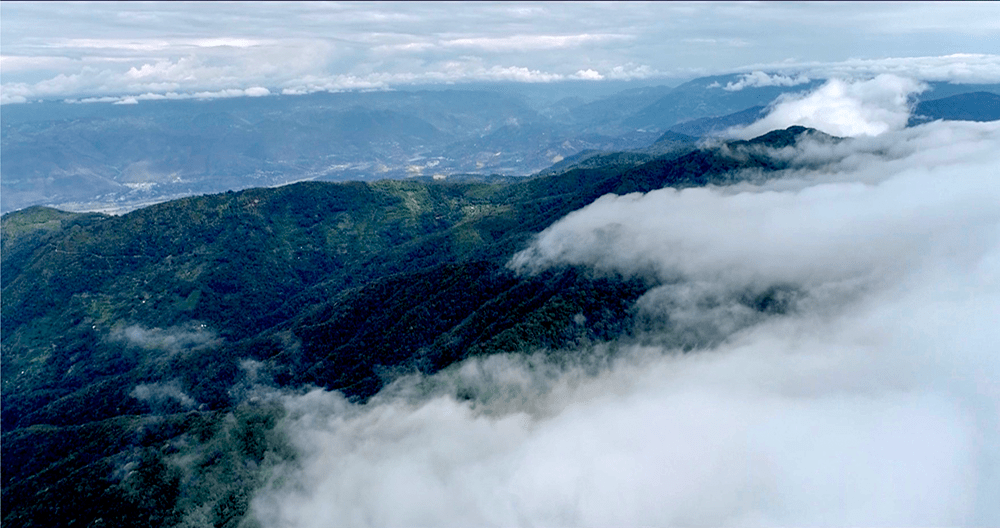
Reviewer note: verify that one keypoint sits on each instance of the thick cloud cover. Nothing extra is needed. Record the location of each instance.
(871, 400)
(92, 50)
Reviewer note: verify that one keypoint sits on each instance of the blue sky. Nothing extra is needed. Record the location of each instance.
(95, 49)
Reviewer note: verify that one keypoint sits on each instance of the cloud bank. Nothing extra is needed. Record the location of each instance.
(161, 47)
(843, 108)
(870, 401)
(975, 68)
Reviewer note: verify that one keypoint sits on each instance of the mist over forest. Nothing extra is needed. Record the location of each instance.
(420, 276)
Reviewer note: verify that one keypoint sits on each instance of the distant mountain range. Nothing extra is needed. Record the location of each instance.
(118, 157)
(975, 106)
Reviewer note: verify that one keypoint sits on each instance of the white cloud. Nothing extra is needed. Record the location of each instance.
(800, 236)
(630, 71)
(448, 72)
(843, 108)
(333, 84)
(168, 78)
(958, 68)
(329, 44)
(191, 337)
(279, 45)
(6, 98)
(870, 403)
(588, 75)
(516, 73)
(256, 91)
(191, 74)
(157, 393)
(758, 79)
(106, 99)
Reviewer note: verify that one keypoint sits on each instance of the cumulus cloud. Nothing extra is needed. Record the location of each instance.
(758, 79)
(256, 91)
(869, 402)
(843, 108)
(161, 77)
(588, 75)
(630, 71)
(518, 74)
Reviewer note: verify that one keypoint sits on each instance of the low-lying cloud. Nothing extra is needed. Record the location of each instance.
(189, 337)
(161, 393)
(757, 79)
(843, 108)
(870, 401)
(256, 91)
(973, 68)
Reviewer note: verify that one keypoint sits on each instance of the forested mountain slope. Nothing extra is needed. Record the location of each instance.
(133, 342)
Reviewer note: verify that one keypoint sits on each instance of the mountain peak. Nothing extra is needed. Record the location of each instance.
(786, 137)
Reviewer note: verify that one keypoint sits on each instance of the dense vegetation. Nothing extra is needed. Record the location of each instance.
(131, 343)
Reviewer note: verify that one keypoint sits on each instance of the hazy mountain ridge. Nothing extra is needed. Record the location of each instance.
(103, 156)
(192, 147)
(151, 328)
(975, 106)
